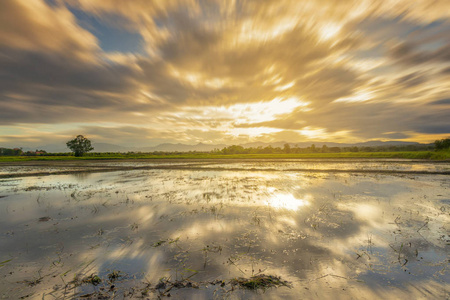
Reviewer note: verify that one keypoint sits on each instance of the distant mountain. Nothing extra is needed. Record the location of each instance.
(388, 143)
(53, 148)
(104, 147)
(263, 145)
(183, 147)
(330, 144)
(170, 147)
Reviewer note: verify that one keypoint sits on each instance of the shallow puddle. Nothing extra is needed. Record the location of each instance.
(188, 233)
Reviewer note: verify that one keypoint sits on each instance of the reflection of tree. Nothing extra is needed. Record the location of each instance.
(81, 176)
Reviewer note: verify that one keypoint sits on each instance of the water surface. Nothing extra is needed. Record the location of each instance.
(330, 234)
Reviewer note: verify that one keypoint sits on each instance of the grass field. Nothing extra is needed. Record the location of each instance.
(439, 155)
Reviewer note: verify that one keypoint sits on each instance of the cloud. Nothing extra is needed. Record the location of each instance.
(366, 69)
(365, 120)
(34, 25)
(409, 54)
(442, 102)
(411, 80)
(51, 69)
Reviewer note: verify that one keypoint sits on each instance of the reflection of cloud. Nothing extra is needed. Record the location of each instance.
(228, 211)
(365, 212)
(287, 201)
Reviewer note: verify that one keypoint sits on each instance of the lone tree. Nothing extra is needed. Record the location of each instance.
(80, 145)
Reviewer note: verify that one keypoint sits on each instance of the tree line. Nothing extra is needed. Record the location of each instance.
(20, 152)
(236, 149)
(442, 144)
(81, 146)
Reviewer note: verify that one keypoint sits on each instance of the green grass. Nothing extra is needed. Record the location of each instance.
(439, 155)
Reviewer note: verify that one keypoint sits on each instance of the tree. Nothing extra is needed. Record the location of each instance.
(287, 148)
(442, 144)
(80, 145)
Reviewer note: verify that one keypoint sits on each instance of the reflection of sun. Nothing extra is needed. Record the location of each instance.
(287, 201)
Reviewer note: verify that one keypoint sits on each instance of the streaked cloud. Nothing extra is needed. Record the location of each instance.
(223, 72)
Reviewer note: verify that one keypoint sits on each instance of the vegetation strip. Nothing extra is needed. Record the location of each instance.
(165, 285)
(434, 155)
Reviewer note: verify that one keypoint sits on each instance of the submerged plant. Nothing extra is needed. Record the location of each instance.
(134, 226)
(259, 282)
(92, 279)
(114, 275)
(158, 243)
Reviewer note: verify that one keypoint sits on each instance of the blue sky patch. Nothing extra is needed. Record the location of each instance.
(111, 38)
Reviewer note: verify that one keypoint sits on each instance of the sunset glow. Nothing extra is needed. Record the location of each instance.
(151, 72)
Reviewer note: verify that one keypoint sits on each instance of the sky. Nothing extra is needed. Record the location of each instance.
(142, 72)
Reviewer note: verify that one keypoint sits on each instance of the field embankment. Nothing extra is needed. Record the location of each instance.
(438, 155)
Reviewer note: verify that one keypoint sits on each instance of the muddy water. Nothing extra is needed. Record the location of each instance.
(332, 235)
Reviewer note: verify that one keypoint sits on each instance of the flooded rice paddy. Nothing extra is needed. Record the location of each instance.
(214, 229)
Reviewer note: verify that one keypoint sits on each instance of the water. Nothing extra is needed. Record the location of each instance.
(343, 234)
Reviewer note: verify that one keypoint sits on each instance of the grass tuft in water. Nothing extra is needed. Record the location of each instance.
(260, 282)
(92, 279)
(114, 275)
